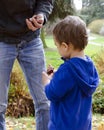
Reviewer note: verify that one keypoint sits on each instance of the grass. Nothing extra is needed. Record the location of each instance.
(92, 50)
(97, 39)
(24, 123)
(28, 123)
(53, 58)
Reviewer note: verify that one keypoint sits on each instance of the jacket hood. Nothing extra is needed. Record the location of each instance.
(85, 73)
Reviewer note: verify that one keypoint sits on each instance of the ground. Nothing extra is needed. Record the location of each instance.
(27, 123)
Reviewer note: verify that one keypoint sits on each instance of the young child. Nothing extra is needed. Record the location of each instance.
(72, 85)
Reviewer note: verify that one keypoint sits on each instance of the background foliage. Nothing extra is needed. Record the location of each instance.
(98, 97)
(92, 10)
(96, 26)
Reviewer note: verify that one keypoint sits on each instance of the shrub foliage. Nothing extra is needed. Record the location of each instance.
(20, 102)
(98, 97)
(96, 25)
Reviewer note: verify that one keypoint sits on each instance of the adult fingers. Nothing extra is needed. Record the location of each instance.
(30, 25)
(36, 22)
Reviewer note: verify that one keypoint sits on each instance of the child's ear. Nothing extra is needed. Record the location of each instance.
(67, 47)
(64, 45)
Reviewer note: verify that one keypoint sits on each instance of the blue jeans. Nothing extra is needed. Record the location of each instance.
(30, 56)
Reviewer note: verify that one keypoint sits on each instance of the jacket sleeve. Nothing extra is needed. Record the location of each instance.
(61, 85)
(45, 7)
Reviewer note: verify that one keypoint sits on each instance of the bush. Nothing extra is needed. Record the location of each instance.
(20, 102)
(99, 61)
(98, 97)
(102, 31)
(98, 100)
(96, 25)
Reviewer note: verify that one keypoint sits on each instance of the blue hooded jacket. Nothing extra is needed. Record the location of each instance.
(70, 92)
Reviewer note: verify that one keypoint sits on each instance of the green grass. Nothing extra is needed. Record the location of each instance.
(50, 42)
(92, 50)
(98, 44)
(53, 58)
(98, 39)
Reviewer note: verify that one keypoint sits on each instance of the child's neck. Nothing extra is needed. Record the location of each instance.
(79, 54)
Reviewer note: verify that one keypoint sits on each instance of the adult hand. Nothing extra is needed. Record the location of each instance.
(35, 22)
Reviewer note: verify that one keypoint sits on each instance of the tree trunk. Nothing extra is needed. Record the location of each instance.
(43, 38)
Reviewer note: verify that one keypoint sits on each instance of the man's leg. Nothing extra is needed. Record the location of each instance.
(7, 57)
(31, 59)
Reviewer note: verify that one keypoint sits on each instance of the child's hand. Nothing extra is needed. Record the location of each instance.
(45, 78)
(50, 69)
